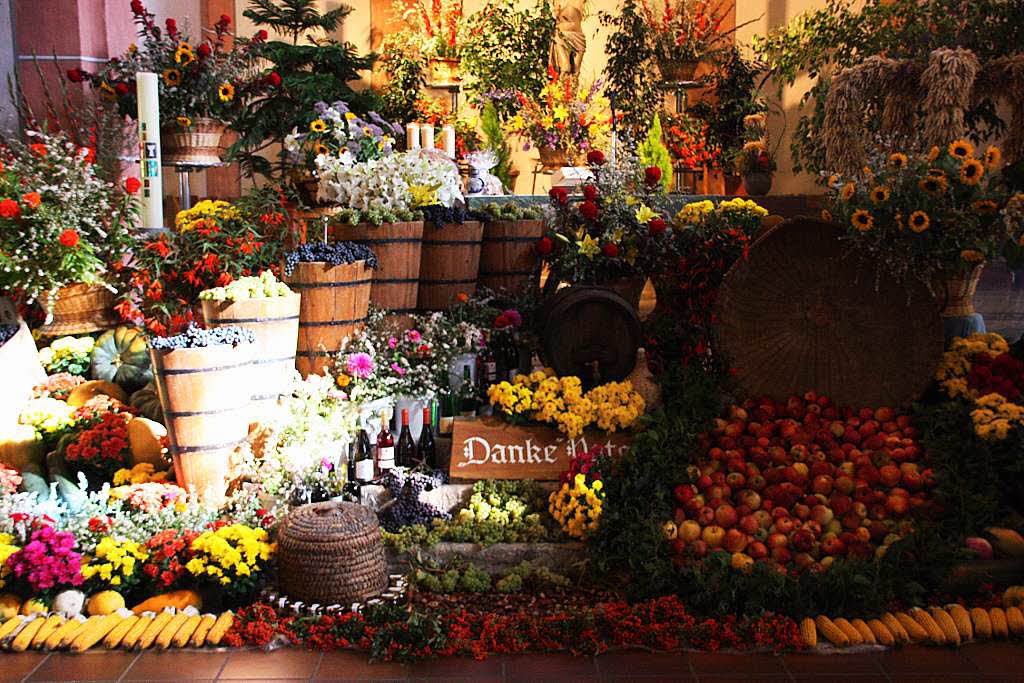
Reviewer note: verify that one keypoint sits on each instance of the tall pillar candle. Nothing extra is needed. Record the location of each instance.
(412, 136)
(448, 139)
(147, 87)
(427, 134)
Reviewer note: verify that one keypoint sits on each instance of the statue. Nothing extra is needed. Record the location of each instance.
(569, 43)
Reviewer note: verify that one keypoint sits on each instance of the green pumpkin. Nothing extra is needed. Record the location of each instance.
(122, 356)
(147, 402)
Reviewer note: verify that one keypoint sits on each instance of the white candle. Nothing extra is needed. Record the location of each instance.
(427, 134)
(148, 90)
(448, 136)
(412, 136)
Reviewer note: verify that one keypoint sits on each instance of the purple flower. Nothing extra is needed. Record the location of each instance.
(514, 319)
(413, 335)
(320, 107)
(359, 365)
(392, 342)
(326, 464)
(398, 369)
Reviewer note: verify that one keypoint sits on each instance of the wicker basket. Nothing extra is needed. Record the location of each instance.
(553, 157)
(198, 144)
(331, 553)
(79, 309)
(959, 292)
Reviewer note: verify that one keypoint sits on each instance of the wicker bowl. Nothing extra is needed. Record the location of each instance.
(331, 553)
(801, 314)
(79, 309)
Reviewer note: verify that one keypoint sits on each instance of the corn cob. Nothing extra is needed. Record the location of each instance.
(163, 640)
(934, 631)
(914, 629)
(57, 637)
(117, 634)
(881, 632)
(95, 632)
(198, 638)
(982, 623)
(1000, 628)
(136, 631)
(74, 631)
(185, 632)
(808, 632)
(946, 623)
(154, 628)
(219, 628)
(852, 634)
(962, 619)
(828, 629)
(895, 627)
(1015, 620)
(25, 635)
(11, 625)
(53, 622)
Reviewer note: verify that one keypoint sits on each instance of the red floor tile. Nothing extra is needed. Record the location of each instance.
(458, 667)
(639, 665)
(549, 666)
(176, 665)
(88, 666)
(14, 666)
(809, 664)
(733, 664)
(915, 660)
(284, 663)
(997, 658)
(341, 666)
(833, 678)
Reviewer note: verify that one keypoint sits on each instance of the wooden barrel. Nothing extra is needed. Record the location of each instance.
(508, 255)
(449, 264)
(334, 304)
(396, 281)
(590, 332)
(19, 364)
(275, 322)
(205, 394)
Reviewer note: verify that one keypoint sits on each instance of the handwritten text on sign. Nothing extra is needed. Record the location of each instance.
(489, 448)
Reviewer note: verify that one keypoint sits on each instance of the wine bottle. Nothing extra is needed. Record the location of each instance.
(426, 451)
(385, 448)
(364, 465)
(467, 395)
(406, 446)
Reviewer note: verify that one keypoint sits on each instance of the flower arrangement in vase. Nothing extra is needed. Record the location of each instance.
(754, 161)
(684, 33)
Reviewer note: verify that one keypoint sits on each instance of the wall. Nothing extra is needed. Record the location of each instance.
(8, 117)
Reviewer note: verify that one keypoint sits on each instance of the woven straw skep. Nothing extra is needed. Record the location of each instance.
(331, 553)
(948, 83)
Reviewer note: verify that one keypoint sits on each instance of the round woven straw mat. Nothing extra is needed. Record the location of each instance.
(331, 553)
(798, 316)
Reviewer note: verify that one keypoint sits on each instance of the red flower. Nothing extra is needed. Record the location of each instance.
(544, 246)
(560, 195)
(590, 192)
(224, 280)
(76, 75)
(656, 227)
(225, 20)
(138, 8)
(121, 89)
(260, 36)
(610, 249)
(172, 27)
(204, 50)
(588, 210)
(68, 238)
(9, 208)
(652, 175)
(132, 185)
(595, 157)
(273, 79)
(501, 322)
(32, 200)
(39, 149)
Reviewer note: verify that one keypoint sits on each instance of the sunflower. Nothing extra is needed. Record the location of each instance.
(972, 256)
(897, 160)
(880, 194)
(933, 185)
(226, 92)
(318, 126)
(985, 207)
(971, 172)
(933, 154)
(107, 92)
(848, 191)
(833, 179)
(936, 173)
(919, 221)
(184, 121)
(961, 149)
(862, 220)
(172, 78)
(993, 157)
(320, 148)
(184, 57)
(826, 215)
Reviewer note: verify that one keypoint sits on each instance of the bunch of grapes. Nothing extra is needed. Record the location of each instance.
(7, 330)
(251, 287)
(407, 508)
(440, 215)
(196, 337)
(334, 253)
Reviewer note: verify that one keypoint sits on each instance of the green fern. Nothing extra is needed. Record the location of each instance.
(653, 152)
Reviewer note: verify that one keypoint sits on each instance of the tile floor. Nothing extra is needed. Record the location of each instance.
(995, 661)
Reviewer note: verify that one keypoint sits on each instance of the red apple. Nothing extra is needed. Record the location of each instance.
(844, 484)
(749, 524)
(685, 492)
(822, 484)
(757, 550)
(750, 498)
(726, 516)
(680, 516)
(777, 539)
(698, 548)
(822, 514)
(706, 516)
(840, 504)
(801, 511)
(785, 525)
(735, 540)
(713, 536)
(781, 554)
(897, 506)
(677, 546)
(689, 531)
(763, 517)
(889, 475)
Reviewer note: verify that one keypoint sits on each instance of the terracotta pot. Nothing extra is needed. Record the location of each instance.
(959, 292)
(676, 71)
(78, 309)
(553, 157)
(757, 183)
(444, 70)
(199, 144)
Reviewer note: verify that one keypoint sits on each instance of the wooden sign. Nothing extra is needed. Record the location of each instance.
(490, 448)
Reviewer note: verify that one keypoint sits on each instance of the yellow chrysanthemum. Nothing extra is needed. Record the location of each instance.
(880, 194)
(172, 78)
(849, 189)
(971, 172)
(226, 92)
(184, 121)
(993, 157)
(919, 221)
(862, 220)
(961, 149)
(318, 126)
(897, 160)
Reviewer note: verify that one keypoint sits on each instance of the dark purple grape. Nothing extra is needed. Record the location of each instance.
(7, 330)
(335, 253)
(196, 337)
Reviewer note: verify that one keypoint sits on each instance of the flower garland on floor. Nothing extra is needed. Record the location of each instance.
(391, 633)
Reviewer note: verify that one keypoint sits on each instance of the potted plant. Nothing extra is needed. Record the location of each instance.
(683, 33)
(932, 216)
(755, 165)
(203, 83)
(568, 119)
(63, 231)
(690, 146)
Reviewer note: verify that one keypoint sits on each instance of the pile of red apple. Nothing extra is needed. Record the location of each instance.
(800, 483)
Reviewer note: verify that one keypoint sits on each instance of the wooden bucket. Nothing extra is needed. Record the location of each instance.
(449, 264)
(335, 300)
(275, 322)
(19, 364)
(205, 394)
(398, 248)
(508, 255)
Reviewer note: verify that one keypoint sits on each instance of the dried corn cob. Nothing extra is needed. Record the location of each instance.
(946, 623)
(94, 633)
(154, 628)
(962, 619)
(982, 623)
(219, 628)
(117, 634)
(865, 633)
(914, 629)
(135, 632)
(895, 628)
(934, 631)
(1000, 629)
(881, 632)
(53, 622)
(808, 632)
(833, 633)
(163, 640)
(1015, 620)
(187, 629)
(26, 634)
(57, 637)
(852, 634)
(198, 638)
